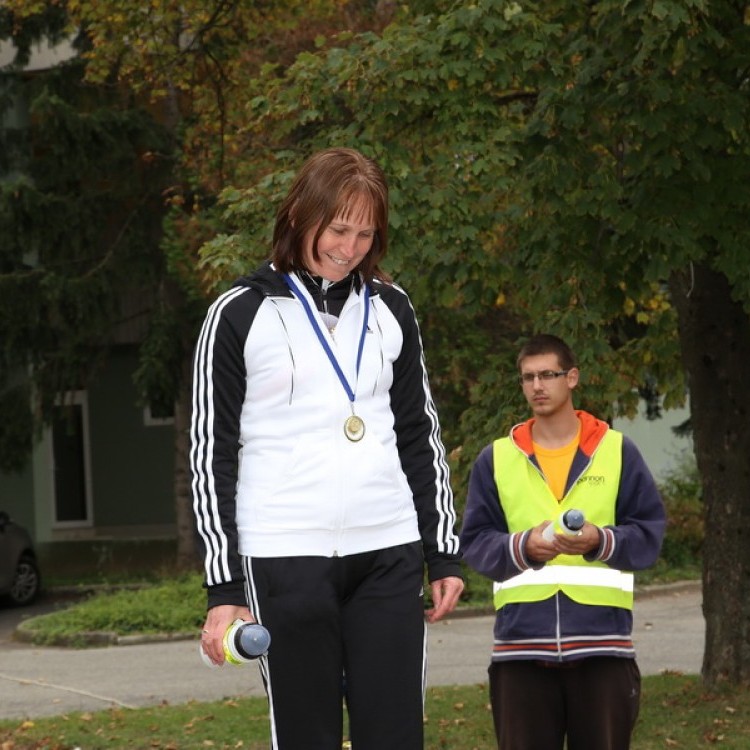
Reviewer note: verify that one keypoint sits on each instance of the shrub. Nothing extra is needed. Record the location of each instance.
(683, 497)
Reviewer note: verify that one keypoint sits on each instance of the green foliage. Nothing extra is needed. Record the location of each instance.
(682, 493)
(17, 430)
(625, 170)
(79, 228)
(157, 376)
(534, 157)
(477, 593)
(175, 606)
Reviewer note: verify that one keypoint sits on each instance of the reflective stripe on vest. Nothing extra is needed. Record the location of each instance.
(595, 493)
(569, 574)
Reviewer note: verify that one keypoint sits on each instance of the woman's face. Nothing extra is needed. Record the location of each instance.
(342, 245)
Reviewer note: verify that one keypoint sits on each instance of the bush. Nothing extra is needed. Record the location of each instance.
(683, 497)
(173, 606)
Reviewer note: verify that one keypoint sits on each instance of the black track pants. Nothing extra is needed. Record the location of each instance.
(343, 629)
(595, 703)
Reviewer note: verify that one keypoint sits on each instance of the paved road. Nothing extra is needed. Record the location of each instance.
(668, 633)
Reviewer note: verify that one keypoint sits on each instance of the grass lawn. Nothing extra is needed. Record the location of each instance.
(675, 713)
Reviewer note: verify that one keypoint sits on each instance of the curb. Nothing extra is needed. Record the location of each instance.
(663, 589)
(98, 638)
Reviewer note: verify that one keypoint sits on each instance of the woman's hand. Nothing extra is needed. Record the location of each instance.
(218, 619)
(445, 593)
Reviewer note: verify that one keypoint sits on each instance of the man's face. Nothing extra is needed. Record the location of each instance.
(546, 390)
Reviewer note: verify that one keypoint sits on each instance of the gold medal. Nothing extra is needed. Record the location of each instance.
(354, 428)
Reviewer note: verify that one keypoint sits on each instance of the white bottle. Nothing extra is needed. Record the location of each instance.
(570, 522)
(243, 642)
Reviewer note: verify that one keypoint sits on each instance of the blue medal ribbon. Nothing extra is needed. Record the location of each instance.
(324, 343)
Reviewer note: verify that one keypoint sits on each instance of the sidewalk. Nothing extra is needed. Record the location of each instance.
(668, 633)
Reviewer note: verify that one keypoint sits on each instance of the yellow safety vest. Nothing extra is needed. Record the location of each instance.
(527, 500)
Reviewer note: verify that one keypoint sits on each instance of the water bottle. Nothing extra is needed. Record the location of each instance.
(243, 642)
(570, 522)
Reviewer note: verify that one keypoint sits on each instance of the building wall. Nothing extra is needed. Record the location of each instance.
(131, 468)
(132, 462)
(662, 450)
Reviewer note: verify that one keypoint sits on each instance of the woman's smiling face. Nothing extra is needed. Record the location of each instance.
(342, 244)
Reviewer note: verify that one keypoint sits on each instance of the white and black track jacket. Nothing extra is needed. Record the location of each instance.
(273, 474)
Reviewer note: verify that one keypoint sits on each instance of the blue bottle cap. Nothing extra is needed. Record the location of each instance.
(574, 519)
(252, 640)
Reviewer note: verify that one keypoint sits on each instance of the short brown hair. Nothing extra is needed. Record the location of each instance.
(546, 343)
(329, 184)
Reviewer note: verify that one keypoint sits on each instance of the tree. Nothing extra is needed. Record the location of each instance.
(583, 165)
(79, 226)
(654, 129)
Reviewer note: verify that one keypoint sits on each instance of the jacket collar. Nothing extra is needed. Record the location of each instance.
(592, 432)
(269, 282)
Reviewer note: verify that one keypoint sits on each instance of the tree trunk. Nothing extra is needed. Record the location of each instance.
(186, 548)
(715, 340)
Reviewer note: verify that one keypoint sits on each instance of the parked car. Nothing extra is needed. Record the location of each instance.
(20, 581)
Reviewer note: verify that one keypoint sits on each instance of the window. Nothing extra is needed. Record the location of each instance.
(71, 461)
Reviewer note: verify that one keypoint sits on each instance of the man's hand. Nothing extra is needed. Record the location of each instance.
(586, 540)
(540, 550)
(445, 593)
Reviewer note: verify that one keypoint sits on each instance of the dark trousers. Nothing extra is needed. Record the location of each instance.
(595, 703)
(343, 629)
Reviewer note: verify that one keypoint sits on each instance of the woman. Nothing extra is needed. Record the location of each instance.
(319, 477)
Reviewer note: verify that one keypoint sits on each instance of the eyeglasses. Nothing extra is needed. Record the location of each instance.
(544, 375)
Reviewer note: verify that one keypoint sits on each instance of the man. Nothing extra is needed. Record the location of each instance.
(563, 662)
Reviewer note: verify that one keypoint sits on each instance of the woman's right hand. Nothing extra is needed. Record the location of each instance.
(218, 619)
